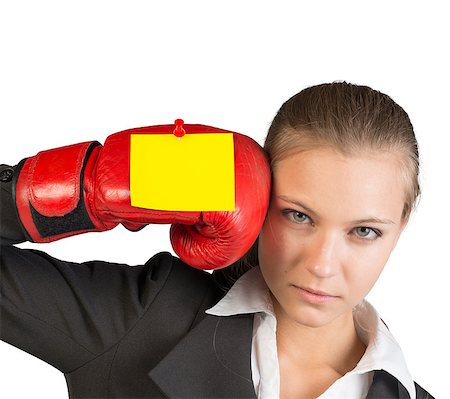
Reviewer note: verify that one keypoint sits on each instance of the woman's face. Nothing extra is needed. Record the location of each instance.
(330, 228)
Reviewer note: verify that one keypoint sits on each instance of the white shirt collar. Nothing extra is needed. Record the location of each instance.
(383, 351)
(250, 294)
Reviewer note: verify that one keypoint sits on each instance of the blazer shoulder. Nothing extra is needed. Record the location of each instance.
(178, 279)
(164, 264)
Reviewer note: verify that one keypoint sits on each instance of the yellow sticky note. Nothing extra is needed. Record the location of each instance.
(191, 173)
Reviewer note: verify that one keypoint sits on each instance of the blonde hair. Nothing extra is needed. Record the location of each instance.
(349, 118)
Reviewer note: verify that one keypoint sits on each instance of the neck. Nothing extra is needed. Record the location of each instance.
(335, 345)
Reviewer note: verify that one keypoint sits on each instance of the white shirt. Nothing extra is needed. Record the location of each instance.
(250, 294)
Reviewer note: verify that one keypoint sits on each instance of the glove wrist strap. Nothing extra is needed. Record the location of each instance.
(49, 193)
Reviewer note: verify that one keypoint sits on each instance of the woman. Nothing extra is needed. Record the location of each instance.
(345, 180)
(344, 163)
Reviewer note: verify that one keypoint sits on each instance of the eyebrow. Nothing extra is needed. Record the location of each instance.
(314, 214)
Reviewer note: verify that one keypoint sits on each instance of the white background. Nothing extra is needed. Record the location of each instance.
(78, 71)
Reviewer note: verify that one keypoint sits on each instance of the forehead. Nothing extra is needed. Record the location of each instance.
(352, 185)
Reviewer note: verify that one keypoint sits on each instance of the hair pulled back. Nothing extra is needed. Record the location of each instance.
(352, 119)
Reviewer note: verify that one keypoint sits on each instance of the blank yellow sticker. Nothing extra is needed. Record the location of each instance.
(191, 173)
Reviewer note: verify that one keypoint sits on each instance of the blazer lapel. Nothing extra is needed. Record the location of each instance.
(386, 386)
(212, 360)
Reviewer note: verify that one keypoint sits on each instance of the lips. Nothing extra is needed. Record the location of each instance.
(315, 292)
(312, 296)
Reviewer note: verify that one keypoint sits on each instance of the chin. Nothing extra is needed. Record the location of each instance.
(312, 321)
(305, 314)
(313, 317)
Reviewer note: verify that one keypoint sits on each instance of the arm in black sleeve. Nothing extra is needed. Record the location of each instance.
(68, 313)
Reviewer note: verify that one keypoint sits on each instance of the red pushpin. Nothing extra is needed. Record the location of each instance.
(179, 131)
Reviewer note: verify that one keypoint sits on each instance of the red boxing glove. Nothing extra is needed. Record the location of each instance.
(86, 187)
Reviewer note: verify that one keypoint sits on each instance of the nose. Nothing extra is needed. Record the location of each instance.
(322, 258)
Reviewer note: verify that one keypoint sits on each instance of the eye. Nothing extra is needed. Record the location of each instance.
(296, 216)
(367, 233)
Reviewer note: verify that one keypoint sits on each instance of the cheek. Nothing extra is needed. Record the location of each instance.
(273, 243)
(363, 270)
(279, 249)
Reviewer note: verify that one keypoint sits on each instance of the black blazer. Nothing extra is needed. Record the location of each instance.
(133, 332)
(119, 331)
